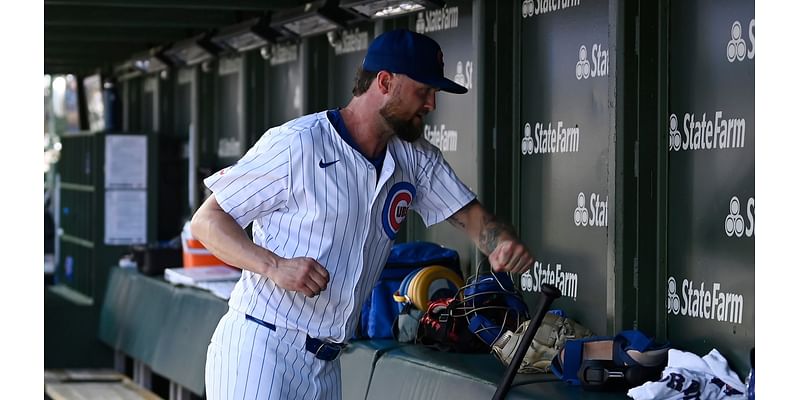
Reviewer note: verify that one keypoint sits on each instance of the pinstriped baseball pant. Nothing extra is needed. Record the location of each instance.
(246, 360)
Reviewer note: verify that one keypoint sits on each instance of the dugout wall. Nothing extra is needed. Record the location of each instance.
(617, 136)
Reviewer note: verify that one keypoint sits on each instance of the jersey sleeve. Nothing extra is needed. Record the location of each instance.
(440, 193)
(259, 182)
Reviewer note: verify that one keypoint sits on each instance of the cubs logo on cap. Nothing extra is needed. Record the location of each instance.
(396, 207)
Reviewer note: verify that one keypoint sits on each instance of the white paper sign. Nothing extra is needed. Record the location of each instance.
(126, 162)
(126, 217)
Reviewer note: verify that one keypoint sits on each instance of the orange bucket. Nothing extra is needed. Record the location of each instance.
(194, 253)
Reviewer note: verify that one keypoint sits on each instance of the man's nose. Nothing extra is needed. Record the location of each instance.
(430, 101)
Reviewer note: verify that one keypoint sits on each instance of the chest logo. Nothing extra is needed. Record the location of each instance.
(323, 164)
(395, 210)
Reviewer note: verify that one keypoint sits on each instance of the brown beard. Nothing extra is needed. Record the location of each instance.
(403, 128)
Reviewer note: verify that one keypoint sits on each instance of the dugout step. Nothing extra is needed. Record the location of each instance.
(87, 384)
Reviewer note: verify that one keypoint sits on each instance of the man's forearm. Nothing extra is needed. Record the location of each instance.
(494, 238)
(482, 227)
(494, 231)
(220, 234)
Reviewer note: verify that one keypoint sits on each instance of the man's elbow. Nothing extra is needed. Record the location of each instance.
(201, 219)
(196, 224)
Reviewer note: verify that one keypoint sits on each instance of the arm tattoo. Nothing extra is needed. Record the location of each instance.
(457, 221)
(460, 218)
(491, 230)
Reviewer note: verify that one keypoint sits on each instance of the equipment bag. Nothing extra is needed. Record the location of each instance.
(416, 291)
(380, 309)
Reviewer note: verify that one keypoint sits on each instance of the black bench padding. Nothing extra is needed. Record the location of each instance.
(169, 328)
(134, 312)
(181, 348)
(166, 327)
(417, 372)
(358, 362)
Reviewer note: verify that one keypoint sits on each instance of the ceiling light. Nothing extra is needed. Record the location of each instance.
(150, 61)
(248, 35)
(192, 51)
(314, 18)
(376, 9)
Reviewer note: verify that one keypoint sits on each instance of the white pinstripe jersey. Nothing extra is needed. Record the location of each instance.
(310, 194)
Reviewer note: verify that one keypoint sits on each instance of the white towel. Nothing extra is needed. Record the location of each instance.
(687, 376)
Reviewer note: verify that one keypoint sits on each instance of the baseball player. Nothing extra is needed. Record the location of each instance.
(326, 194)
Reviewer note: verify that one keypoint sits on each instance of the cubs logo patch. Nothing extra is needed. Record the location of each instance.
(396, 207)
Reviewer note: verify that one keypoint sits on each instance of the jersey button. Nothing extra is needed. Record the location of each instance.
(371, 166)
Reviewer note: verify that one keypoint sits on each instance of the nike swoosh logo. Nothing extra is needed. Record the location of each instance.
(326, 164)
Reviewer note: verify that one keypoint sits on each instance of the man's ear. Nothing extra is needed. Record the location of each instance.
(384, 80)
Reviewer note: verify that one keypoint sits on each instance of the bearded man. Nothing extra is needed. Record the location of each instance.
(326, 194)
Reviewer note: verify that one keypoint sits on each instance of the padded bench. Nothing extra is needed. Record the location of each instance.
(417, 372)
(164, 326)
(358, 363)
(168, 328)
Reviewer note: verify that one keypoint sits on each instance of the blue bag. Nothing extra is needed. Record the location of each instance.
(380, 310)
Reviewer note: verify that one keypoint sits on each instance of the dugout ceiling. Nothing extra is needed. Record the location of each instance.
(82, 35)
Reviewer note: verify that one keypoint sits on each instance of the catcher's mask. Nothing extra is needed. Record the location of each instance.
(491, 305)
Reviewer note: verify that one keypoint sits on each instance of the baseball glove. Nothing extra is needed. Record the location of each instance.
(547, 342)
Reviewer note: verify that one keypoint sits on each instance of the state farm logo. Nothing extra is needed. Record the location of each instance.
(547, 139)
(527, 140)
(734, 222)
(737, 48)
(228, 147)
(598, 66)
(696, 301)
(581, 214)
(282, 53)
(582, 67)
(706, 132)
(597, 207)
(350, 42)
(536, 7)
(441, 137)
(533, 279)
(673, 302)
(437, 20)
(463, 75)
(674, 135)
(527, 8)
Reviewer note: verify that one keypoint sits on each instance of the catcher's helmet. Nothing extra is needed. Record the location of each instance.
(473, 318)
(491, 305)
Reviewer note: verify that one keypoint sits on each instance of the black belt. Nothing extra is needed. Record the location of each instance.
(320, 349)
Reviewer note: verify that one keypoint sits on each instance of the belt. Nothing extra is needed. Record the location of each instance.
(321, 349)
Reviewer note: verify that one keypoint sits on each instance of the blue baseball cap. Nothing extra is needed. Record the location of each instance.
(418, 56)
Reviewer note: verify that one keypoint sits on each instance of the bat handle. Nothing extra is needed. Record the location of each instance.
(550, 293)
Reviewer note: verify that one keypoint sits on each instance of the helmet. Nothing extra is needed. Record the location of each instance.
(475, 317)
(492, 305)
(427, 283)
